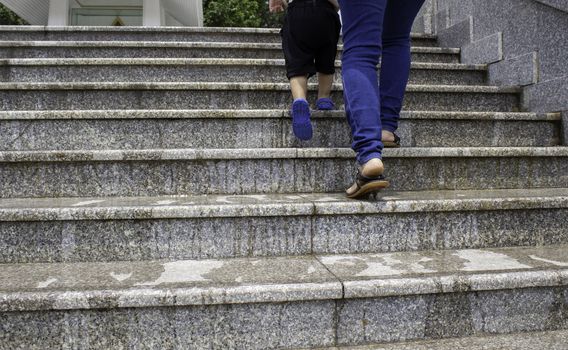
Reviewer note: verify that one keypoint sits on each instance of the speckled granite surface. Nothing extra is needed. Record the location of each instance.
(204, 62)
(33, 209)
(223, 86)
(372, 275)
(166, 283)
(184, 34)
(437, 231)
(306, 270)
(451, 315)
(202, 70)
(139, 129)
(551, 340)
(237, 326)
(160, 49)
(176, 34)
(66, 286)
(284, 170)
(86, 96)
(260, 114)
(191, 227)
(276, 302)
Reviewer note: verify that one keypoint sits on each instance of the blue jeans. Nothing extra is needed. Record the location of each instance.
(371, 29)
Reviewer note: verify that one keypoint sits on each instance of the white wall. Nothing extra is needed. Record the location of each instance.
(108, 21)
(186, 12)
(58, 13)
(176, 12)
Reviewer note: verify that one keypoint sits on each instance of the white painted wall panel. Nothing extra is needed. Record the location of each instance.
(106, 3)
(185, 12)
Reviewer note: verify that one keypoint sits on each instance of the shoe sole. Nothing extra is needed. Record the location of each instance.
(302, 129)
(303, 132)
(368, 188)
(391, 144)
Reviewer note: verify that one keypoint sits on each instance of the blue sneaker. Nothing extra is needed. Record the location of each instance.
(325, 104)
(301, 124)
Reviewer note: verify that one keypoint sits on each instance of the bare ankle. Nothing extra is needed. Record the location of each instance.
(387, 135)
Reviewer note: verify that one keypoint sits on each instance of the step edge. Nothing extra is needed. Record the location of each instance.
(337, 289)
(224, 86)
(198, 154)
(36, 115)
(162, 297)
(473, 342)
(187, 44)
(97, 62)
(168, 29)
(219, 206)
(381, 288)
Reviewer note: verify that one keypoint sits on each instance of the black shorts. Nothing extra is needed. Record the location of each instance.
(309, 38)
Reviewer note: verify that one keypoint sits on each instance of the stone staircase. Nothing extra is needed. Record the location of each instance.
(152, 196)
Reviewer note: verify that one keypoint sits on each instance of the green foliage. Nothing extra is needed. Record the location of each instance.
(8, 17)
(232, 13)
(239, 13)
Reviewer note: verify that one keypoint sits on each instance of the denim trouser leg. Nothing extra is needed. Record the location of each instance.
(395, 62)
(362, 31)
(365, 26)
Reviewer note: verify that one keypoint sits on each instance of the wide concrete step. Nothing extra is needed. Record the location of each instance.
(144, 95)
(161, 34)
(201, 227)
(271, 170)
(288, 302)
(551, 340)
(156, 129)
(166, 49)
(203, 70)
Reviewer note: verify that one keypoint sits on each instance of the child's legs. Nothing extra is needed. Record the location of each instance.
(395, 64)
(362, 33)
(299, 86)
(299, 58)
(325, 82)
(329, 28)
(325, 65)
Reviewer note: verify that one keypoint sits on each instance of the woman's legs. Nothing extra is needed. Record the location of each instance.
(395, 63)
(362, 33)
(372, 28)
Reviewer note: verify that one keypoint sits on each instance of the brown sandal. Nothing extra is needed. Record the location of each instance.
(367, 185)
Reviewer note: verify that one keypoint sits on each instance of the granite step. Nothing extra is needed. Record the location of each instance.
(144, 95)
(165, 49)
(160, 34)
(157, 129)
(551, 340)
(287, 302)
(203, 70)
(154, 172)
(103, 229)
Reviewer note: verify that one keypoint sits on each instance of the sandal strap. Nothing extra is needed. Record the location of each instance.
(362, 180)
